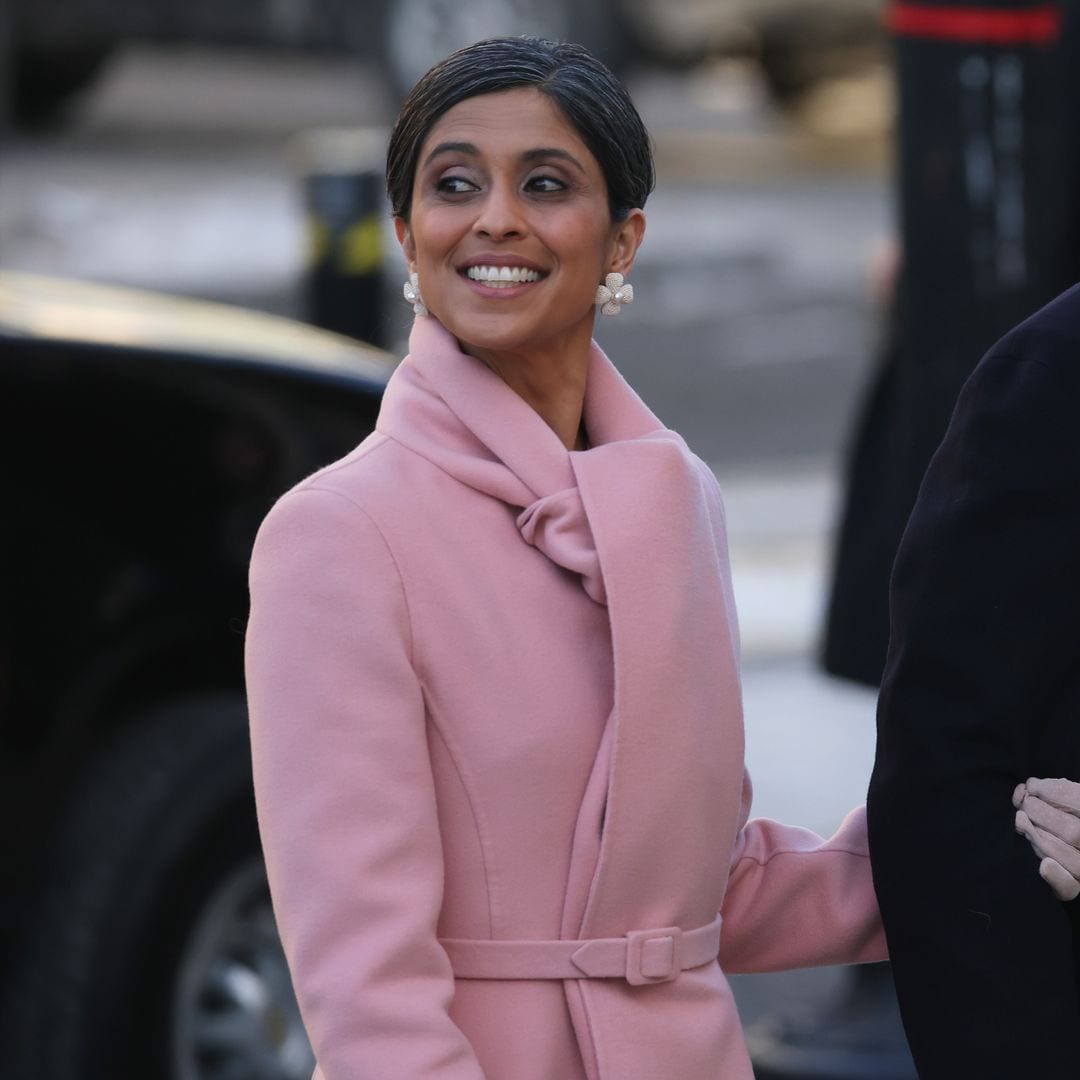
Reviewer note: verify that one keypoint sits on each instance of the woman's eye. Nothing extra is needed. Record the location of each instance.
(455, 185)
(546, 184)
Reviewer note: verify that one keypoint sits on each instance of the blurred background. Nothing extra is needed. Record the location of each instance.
(233, 154)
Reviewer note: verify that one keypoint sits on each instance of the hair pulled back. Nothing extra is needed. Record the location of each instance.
(590, 97)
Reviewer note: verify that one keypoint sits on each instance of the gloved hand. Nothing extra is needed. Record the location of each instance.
(1048, 814)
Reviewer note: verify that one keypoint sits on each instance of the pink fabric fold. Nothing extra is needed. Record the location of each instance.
(558, 526)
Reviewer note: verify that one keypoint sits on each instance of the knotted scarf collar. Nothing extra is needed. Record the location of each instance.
(638, 517)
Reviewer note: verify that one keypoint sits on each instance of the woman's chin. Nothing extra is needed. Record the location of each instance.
(495, 334)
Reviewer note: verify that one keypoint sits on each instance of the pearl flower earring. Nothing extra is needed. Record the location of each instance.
(613, 294)
(412, 294)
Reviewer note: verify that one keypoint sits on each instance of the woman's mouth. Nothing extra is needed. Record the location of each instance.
(502, 277)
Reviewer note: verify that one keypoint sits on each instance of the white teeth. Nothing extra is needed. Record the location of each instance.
(499, 276)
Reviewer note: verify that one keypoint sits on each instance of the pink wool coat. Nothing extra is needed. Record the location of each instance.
(494, 698)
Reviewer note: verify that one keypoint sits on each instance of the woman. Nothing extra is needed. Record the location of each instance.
(492, 655)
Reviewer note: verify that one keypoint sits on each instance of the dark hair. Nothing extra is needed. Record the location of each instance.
(590, 97)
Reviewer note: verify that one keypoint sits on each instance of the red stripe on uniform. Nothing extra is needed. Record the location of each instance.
(976, 26)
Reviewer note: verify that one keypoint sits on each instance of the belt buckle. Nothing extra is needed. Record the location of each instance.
(648, 963)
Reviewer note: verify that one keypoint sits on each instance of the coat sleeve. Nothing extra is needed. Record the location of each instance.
(345, 795)
(796, 900)
(985, 636)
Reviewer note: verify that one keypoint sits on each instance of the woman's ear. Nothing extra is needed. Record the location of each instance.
(405, 239)
(626, 240)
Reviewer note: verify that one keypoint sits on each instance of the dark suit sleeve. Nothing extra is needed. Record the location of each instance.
(985, 639)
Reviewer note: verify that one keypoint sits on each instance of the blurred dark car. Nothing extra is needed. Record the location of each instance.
(143, 439)
(54, 48)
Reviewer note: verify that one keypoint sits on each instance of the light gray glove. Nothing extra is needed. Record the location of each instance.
(1048, 814)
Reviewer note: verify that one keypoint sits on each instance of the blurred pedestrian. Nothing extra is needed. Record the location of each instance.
(493, 659)
(982, 688)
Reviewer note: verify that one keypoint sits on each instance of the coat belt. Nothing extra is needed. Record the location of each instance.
(640, 956)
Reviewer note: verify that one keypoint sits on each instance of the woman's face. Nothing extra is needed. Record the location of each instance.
(510, 229)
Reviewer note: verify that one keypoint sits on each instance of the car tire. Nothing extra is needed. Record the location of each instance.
(153, 952)
(418, 33)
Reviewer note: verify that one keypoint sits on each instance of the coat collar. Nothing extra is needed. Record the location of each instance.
(453, 410)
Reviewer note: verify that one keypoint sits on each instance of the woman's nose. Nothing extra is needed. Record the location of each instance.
(500, 215)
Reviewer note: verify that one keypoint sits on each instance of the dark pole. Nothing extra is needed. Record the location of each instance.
(989, 211)
(346, 215)
(987, 200)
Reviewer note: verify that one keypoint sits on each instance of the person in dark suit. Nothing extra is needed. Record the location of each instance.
(982, 690)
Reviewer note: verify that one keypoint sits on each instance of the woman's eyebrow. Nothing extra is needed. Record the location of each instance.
(540, 153)
(452, 148)
(545, 152)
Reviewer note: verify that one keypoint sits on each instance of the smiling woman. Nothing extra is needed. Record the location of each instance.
(492, 656)
(511, 226)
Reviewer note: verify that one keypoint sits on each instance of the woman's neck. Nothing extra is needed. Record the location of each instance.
(552, 383)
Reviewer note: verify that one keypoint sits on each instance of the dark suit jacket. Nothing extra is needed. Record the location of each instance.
(981, 690)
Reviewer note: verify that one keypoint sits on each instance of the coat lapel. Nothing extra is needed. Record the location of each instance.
(676, 770)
